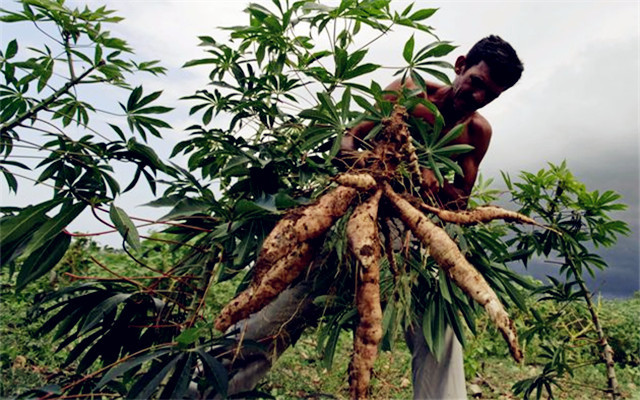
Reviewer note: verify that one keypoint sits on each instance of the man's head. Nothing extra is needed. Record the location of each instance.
(489, 68)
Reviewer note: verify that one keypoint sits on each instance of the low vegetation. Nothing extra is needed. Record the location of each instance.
(138, 322)
(28, 360)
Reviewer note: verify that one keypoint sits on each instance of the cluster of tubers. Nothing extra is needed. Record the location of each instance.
(289, 248)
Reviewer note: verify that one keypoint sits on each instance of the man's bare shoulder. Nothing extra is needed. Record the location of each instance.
(480, 127)
(479, 134)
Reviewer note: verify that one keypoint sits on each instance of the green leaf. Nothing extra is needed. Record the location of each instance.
(362, 102)
(125, 226)
(98, 313)
(118, 131)
(215, 372)
(14, 228)
(422, 14)
(43, 260)
(427, 327)
(186, 207)
(188, 336)
(330, 348)
(200, 62)
(455, 323)
(146, 153)
(147, 384)
(133, 98)
(407, 52)
(439, 50)
(434, 167)
(54, 226)
(450, 164)
(453, 149)
(12, 49)
(120, 369)
(80, 348)
(360, 70)
(438, 327)
(444, 288)
(451, 135)
(441, 76)
(178, 384)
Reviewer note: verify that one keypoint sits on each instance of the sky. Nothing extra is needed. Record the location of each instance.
(578, 98)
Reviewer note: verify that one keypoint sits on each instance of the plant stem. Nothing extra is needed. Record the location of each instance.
(31, 113)
(67, 49)
(607, 351)
(206, 281)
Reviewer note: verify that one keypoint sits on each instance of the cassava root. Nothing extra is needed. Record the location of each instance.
(362, 234)
(284, 254)
(479, 215)
(446, 254)
(290, 247)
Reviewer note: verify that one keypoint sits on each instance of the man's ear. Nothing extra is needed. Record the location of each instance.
(460, 65)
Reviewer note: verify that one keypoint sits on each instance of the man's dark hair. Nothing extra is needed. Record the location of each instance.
(504, 64)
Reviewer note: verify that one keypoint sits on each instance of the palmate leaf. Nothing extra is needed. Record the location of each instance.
(149, 383)
(215, 373)
(43, 260)
(136, 111)
(99, 312)
(125, 366)
(54, 226)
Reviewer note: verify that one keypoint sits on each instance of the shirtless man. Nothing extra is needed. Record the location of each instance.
(489, 68)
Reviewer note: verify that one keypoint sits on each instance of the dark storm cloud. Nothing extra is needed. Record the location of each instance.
(586, 113)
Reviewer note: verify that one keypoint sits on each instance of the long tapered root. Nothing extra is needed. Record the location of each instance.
(301, 225)
(285, 253)
(446, 254)
(479, 215)
(273, 282)
(362, 234)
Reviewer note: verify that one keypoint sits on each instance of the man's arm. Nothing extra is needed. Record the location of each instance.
(456, 195)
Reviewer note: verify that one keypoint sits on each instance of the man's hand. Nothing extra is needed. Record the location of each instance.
(429, 181)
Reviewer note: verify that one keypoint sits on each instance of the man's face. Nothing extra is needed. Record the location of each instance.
(473, 87)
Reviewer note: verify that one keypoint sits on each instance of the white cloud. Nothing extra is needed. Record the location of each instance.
(577, 98)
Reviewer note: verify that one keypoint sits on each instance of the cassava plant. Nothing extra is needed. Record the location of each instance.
(47, 134)
(275, 52)
(264, 195)
(581, 221)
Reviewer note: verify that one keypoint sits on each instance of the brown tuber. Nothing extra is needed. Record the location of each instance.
(446, 254)
(362, 232)
(284, 254)
(479, 215)
(290, 247)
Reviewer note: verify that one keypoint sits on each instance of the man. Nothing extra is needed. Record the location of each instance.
(490, 68)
